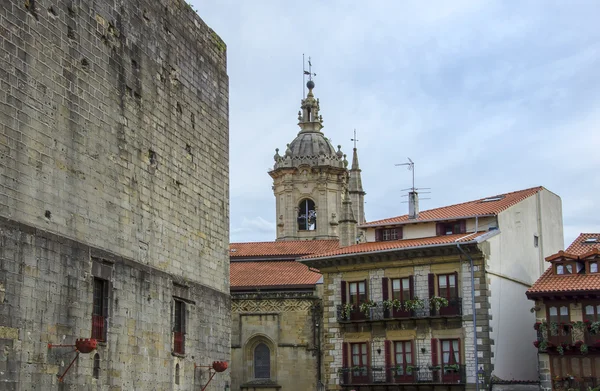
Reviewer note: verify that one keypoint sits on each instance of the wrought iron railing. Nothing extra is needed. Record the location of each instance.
(452, 374)
(379, 312)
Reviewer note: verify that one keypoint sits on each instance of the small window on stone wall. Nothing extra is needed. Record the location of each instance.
(307, 216)
(262, 361)
(177, 374)
(96, 372)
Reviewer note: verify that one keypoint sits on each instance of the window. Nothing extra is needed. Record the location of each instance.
(401, 289)
(594, 267)
(96, 372)
(262, 362)
(387, 234)
(179, 327)
(359, 356)
(591, 312)
(403, 357)
(100, 309)
(450, 352)
(562, 268)
(357, 292)
(450, 228)
(307, 216)
(447, 286)
(177, 374)
(536, 240)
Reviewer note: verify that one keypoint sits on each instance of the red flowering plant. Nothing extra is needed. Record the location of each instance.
(537, 325)
(536, 344)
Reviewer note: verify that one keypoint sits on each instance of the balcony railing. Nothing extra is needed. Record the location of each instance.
(452, 374)
(379, 312)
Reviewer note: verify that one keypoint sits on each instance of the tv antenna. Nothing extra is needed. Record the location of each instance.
(411, 167)
(305, 73)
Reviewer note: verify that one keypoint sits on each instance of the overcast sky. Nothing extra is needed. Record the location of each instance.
(486, 97)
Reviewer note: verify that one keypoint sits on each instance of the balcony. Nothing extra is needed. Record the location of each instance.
(365, 378)
(380, 313)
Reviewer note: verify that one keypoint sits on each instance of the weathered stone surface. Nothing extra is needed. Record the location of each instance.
(113, 151)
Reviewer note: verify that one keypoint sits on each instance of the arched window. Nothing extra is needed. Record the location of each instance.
(177, 374)
(307, 215)
(96, 373)
(262, 361)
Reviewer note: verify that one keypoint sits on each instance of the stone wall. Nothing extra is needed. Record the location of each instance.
(113, 152)
(48, 286)
(287, 324)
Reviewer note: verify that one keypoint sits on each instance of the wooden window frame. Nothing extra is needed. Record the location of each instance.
(452, 293)
(451, 227)
(388, 234)
(404, 375)
(179, 326)
(564, 265)
(100, 308)
(589, 266)
(357, 301)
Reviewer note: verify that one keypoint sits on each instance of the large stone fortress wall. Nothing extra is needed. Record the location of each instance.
(113, 151)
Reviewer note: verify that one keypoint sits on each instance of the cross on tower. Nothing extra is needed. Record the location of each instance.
(354, 139)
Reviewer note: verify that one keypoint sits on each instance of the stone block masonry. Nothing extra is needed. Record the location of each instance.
(113, 160)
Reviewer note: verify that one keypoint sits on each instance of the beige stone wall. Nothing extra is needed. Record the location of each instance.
(286, 325)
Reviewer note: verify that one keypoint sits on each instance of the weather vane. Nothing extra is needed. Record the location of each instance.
(305, 72)
(354, 139)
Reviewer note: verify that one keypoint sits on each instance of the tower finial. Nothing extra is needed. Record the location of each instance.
(310, 84)
(354, 139)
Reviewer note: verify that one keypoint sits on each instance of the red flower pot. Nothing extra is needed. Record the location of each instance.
(219, 366)
(536, 344)
(86, 345)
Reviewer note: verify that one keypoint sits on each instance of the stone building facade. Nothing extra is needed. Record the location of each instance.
(113, 195)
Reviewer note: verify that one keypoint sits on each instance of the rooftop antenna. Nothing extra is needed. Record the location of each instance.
(305, 73)
(356, 140)
(413, 197)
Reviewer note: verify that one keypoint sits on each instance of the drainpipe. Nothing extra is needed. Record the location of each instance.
(474, 314)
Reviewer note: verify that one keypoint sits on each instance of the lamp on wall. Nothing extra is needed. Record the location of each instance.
(481, 375)
(378, 350)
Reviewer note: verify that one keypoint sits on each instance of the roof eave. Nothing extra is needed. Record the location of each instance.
(414, 221)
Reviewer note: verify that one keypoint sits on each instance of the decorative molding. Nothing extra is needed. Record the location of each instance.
(271, 305)
(272, 295)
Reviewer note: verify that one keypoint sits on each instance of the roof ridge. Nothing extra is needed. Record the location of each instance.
(538, 188)
(287, 241)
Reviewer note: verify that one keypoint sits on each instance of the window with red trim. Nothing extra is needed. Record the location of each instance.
(359, 354)
(401, 289)
(386, 234)
(591, 312)
(447, 287)
(403, 356)
(357, 292)
(450, 228)
(564, 268)
(179, 327)
(593, 267)
(100, 309)
(450, 352)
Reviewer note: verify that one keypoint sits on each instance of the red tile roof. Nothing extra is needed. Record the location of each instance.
(583, 244)
(479, 207)
(282, 248)
(397, 245)
(271, 273)
(552, 283)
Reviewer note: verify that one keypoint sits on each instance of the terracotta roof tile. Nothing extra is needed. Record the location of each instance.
(584, 243)
(396, 245)
(281, 248)
(478, 207)
(267, 273)
(552, 283)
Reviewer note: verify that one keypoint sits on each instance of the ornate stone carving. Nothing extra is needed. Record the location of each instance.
(271, 305)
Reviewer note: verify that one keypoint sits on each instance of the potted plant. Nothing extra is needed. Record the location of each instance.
(410, 369)
(560, 350)
(347, 310)
(536, 344)
(366, 307)
(414, 304)
(392, 304)
(438, 302)
(451, 368)
(537, 325)
(594, 327)
(434, 367)
(583, 348)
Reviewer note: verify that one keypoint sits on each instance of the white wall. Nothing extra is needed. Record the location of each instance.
(514, 263)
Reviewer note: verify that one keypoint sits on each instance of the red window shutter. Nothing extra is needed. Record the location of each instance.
(368, 356)
(434, 351)
(345, 348)
(385, 288)
(431, 284)
(439, 229)
(456, 284)
(343, 289)
(400, 232)
(463, 226)
(411, 285)
(388, 359)
(367, 291)
(378, 235)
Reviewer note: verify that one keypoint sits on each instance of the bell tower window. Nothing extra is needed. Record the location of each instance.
(307, 216)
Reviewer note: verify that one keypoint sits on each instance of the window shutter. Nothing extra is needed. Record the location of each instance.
(439, 229)
(388, 359)
(367, 296)
(385, 288)
(434, 351)
(456, 284)
(400, 232)
(378, 235)
(345, 348)
(368, 357)
(463, 226)
(411, 285)
(431, 283)
(343, 289)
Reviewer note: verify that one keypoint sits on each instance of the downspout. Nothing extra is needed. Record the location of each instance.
(474, 314)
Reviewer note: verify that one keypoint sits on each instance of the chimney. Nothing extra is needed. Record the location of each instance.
(413, 204)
